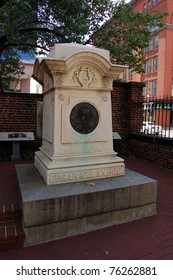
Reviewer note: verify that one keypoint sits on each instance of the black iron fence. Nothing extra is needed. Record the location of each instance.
(157, 117)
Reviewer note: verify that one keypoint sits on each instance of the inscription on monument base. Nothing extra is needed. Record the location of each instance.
(82, 175)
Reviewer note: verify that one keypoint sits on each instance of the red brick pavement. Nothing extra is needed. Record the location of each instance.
(148, 238)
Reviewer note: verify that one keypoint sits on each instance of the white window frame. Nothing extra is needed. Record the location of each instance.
(153, 3)
(155, 64)
(124, 75)
(148, 88)
(149, 5)
(144, 68)
(154, 88)
(150, 46)
(144, 7)
(149, 65)
(156, 42)
(130, 73)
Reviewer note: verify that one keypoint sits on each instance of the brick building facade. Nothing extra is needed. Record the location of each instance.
(158, 76)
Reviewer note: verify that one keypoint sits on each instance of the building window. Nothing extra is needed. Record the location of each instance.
(144, 7)
(124, 75)
(5, 84)
(150, 47)
(11, 85)
(145, 50)
(144, 91)
(15, 85)
(130, 73)
(149, 5)
(144, 68)
(156, 42)
(154, 88)
(149, 65)
(153, 2)
(155, 66)
(148, 88)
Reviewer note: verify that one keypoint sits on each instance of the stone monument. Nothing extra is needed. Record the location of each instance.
(77, 120)
(77, 182)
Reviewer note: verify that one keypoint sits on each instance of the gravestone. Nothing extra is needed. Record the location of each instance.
(78, 183)
(77, 120)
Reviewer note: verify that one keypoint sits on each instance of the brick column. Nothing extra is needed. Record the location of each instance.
(136, 106)
(127, 108)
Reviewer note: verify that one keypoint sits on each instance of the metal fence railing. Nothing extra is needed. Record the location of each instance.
(157, 117)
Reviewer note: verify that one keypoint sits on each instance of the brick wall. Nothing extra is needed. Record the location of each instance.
(154, 149)
(120, 109)
(18, 112)
(127, 119)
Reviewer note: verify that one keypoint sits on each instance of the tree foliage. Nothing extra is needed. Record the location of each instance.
(28, 25)
(35, 26)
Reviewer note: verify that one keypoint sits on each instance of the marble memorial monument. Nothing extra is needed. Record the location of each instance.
(78, 183)
(77, 120)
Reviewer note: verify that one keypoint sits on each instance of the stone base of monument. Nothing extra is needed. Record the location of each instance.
(54, 212)
(79, 168)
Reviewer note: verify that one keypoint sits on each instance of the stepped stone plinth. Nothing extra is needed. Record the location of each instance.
(60, 211)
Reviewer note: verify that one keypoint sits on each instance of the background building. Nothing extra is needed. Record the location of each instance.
(158, 70)
(22, 83)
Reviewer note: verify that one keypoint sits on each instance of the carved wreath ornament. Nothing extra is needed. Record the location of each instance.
(84, 76)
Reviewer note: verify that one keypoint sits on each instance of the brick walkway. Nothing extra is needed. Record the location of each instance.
(148, 238)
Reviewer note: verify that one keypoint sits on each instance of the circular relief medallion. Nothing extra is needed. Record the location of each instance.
(84, 118)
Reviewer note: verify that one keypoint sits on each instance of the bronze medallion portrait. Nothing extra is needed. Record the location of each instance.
(84, 118)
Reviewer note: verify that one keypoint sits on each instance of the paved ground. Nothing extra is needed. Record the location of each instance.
(148, 238)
